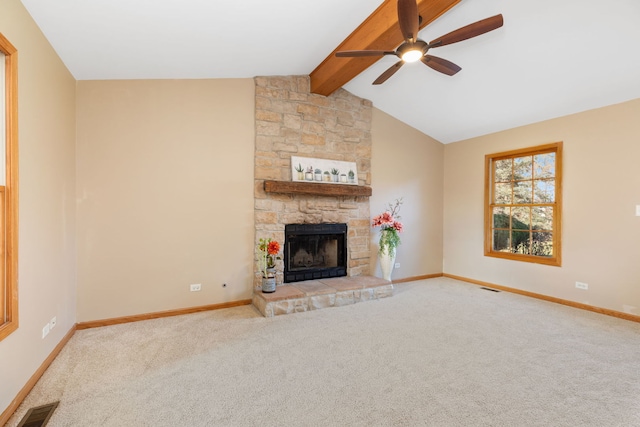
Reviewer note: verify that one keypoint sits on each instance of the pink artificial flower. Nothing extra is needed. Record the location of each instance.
(398, 226)
(383, 219)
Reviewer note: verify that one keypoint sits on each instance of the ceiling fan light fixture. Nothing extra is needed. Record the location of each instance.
(412, 55)
(413, 49)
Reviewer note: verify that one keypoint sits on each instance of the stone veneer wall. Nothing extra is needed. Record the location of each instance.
(291, 121)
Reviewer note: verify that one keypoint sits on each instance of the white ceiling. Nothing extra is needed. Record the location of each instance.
(551, 58)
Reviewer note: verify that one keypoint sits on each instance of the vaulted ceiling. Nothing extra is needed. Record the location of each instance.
(551, 58)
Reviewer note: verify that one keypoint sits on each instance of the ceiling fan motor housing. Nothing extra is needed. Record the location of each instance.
(406, 47)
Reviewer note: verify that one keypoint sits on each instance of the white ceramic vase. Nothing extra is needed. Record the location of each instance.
(387, 260)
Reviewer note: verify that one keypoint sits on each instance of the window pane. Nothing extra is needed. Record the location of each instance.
(522, 167)
(9, 182)
(504, 170)
(542, 244)
(522, 192)
(521, 218)
(501, 217)
(542, 218)
(545, 191)
(544, 165)
(501, 241)
(520, 242)
(3, 130)
(503, 194)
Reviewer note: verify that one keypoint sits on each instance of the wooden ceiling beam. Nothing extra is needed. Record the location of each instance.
(380, 31)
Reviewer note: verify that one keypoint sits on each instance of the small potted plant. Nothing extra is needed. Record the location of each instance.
(300, 171)
(343, 177)
(352, 177)
(309, 174)
(318, 175)
(335, 174)
(327, 176)
(268, 253)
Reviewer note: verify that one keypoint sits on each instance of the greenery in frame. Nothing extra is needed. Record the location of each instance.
(324, 167)
(523, 194)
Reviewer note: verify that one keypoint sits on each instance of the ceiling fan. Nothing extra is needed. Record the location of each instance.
(414, 49)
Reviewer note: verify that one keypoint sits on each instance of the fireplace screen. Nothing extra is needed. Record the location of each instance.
(314, 251)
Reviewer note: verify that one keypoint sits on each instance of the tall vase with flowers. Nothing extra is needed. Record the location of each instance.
(390, 227)
(268, 250)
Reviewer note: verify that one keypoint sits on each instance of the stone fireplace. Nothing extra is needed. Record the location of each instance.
(291, 121)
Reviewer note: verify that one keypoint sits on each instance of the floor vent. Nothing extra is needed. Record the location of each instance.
(489, 289)
(38, 416)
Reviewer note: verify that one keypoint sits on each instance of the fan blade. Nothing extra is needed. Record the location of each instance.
(469, 31)
(359, 53)
(390, 72)
(441, 65)
(408, 18)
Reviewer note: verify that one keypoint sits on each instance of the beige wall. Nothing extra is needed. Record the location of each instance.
(46, 139)
(165, 194)
(409, 164)
(601, 190)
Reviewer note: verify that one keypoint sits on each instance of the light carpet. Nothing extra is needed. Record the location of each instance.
(438, 353)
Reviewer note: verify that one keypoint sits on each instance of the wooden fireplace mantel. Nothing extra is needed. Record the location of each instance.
(316, 189)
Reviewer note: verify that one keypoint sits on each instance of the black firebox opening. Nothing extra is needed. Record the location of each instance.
(314, 251)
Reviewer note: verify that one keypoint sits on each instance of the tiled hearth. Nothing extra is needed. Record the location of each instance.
(316, 294)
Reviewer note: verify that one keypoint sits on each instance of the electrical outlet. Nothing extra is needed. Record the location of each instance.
(637, 210)
(45, 330)
(53, 323)
(195, 287)
(581, 285)
(397, 265)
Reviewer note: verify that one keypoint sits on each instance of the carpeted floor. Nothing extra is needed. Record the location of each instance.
(438, 353)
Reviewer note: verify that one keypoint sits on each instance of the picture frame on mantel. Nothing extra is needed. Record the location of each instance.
(323, 171)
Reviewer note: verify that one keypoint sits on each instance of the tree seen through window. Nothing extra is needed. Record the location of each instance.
(523, 205)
